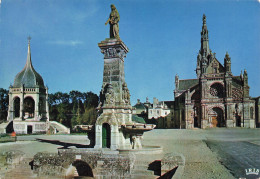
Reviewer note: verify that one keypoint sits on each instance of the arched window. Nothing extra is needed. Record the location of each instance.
(16, 107)
(217, 90)
(29, 106)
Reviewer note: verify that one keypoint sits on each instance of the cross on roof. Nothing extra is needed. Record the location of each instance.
(29, 38)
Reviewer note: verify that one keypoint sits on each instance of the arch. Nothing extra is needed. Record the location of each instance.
(83, 169)
(217, 90)
(217, 117)
(106, 135)
(16, 106)
(29, 107)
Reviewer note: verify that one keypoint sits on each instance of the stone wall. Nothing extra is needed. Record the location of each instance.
(101, 164)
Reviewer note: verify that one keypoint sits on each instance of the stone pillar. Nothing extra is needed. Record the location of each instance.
(98, 137)
(47, 105)
(36, 101)
(229, 116)
(10, 115)
(21, 103)
(114, 51)
(114, 137)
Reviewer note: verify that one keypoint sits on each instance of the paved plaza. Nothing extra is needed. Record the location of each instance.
(211, 153)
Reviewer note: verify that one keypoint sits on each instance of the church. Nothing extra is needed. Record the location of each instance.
(216, 98)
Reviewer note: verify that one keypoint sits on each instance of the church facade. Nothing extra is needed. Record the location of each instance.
(216, 98)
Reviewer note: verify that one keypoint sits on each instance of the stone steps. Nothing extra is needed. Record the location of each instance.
(133, 176)
(21, 170)
(142, 172)
(140, 169)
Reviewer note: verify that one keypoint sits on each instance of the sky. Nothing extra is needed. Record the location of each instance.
(163, 37)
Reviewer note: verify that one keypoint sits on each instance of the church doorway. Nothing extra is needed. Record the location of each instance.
(106, 135)
(29, 107)
(218, 118)
(29, 129)
(82, 169)
(16, 107)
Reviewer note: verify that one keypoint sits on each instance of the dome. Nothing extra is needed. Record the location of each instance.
(28, 76)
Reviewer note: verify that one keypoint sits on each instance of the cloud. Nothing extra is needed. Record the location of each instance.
(66, 42)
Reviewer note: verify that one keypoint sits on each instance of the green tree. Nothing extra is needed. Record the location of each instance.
(4, 100)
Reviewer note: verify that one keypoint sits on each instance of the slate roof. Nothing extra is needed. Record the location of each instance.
(186, 84)
(236, 81)
(139, 106)
(28, 76)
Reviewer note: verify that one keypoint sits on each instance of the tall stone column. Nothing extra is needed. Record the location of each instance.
(114, 51)
(115, 104)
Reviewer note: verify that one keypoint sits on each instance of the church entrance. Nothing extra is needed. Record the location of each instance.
(106, 135)
(217, 117)
(238, 121)
(82, 170)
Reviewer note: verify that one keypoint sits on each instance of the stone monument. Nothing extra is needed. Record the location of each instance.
(114, 127)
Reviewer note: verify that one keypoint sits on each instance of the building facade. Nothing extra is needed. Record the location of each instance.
(216, 98)
(28, 109)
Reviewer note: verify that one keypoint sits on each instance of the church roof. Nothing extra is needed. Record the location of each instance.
(186, 84)
(237, 81)
(28, 76)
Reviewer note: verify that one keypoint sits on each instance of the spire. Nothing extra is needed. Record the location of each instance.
(227, 63)
(29, 60)
(204, 50)
(28, 77)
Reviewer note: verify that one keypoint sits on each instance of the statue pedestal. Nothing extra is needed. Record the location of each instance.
(115, 106)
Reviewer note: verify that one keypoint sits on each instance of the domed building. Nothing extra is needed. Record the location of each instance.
(28, 101)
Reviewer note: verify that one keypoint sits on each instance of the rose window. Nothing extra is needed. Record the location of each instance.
(216, 90)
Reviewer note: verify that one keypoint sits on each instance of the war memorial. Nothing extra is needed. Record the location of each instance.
(115, 143)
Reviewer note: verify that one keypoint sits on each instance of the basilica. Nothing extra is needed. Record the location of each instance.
(216, 98)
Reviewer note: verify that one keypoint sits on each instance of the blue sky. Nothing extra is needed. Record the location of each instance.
(163, 38)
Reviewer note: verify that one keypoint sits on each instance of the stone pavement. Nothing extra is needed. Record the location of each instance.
(200, 161)
(237, 151)
(211, 153)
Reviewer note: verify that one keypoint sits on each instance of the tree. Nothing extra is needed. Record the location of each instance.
(73, 108)
(4, 100)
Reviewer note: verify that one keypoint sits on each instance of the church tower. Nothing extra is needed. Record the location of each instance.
(28, 100)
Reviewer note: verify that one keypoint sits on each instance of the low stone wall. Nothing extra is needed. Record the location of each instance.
(102, 164)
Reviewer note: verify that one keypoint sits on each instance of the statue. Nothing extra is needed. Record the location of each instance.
(113, 21)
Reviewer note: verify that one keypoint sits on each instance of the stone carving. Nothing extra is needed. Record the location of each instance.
(126, 94)
(109, 95)
(113, 21)
(113, 53)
